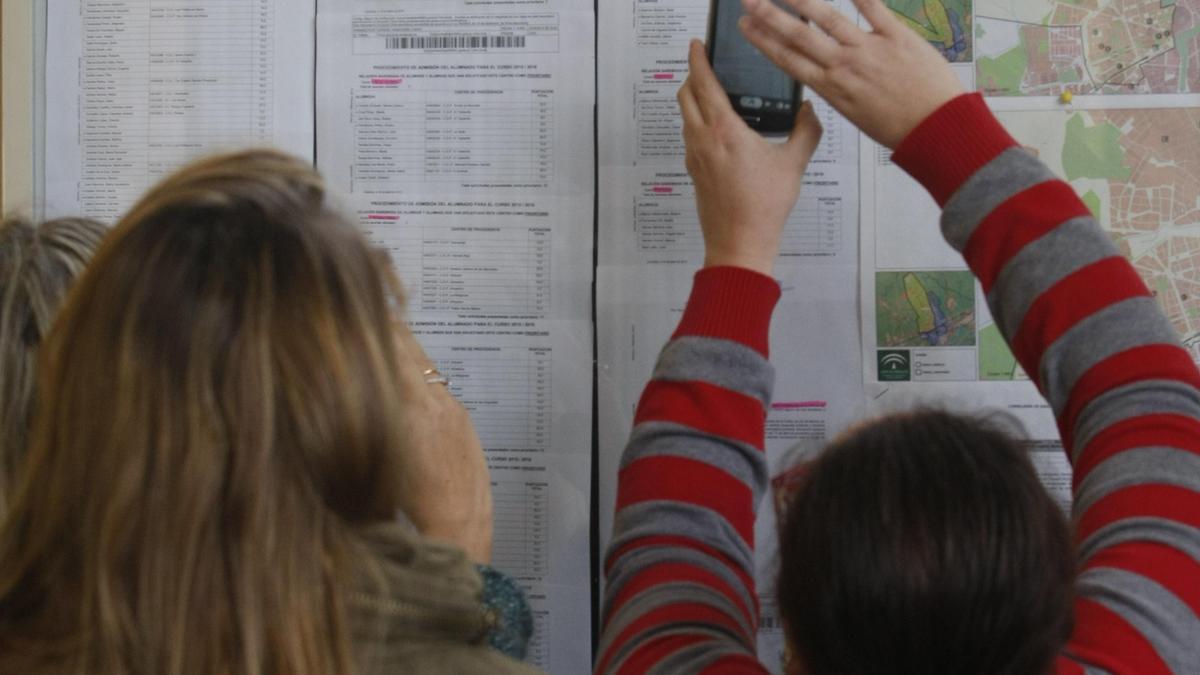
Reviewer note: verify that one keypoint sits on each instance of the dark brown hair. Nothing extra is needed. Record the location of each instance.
(924, 543)
(37, 266)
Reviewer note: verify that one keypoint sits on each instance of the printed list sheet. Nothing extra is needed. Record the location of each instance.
(136, 88)
(460, 133)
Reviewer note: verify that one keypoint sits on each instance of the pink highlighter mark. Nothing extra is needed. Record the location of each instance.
(382, 216)
(387, 80)
(664, 76)
(798, 405)
(662, 189)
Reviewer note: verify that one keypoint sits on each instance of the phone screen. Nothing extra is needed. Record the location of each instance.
(752, 80)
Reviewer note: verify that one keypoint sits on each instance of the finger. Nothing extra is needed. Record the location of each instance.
(877, 14)
(824, 16)
(688, 107)
(710, 95)
(797, 35)
(410, 349)
(799, 66)
(806, 134)
(413, 364)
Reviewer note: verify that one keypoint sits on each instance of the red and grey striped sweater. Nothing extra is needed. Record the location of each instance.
(680, 593)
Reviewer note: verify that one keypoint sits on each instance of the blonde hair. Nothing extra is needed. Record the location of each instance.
(37, 266)
(217, 416)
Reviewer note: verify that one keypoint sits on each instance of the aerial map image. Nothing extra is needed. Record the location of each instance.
(946, 24)
(1047, 47)
(996, 360)
(925, 309)
(1139, 172)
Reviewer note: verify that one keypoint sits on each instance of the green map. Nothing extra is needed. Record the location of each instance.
(1093, 151)
(1048, 47)
(924, 309)
(946, 24)
(996, 360)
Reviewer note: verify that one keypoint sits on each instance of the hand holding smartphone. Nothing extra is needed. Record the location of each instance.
(746, 184)
(766, 97)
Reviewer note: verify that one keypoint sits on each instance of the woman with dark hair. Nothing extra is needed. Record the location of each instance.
(38, 264)
(917, 543)
(231, 414)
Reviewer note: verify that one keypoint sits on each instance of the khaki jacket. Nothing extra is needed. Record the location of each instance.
(420, 611)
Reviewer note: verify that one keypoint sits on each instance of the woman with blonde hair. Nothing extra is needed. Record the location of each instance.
(230, 418)
(37, 266)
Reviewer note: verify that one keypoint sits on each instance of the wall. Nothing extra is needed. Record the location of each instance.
(16, 106)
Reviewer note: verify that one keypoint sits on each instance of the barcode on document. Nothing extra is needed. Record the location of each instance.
(456, 42)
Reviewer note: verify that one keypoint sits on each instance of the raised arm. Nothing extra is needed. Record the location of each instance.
(1123, 390)
(680, 593)
(1076, 314)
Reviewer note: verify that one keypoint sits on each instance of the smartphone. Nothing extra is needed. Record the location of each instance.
(765, 96)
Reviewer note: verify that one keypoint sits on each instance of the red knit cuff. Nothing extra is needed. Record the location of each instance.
(950, 145)
(732, 303)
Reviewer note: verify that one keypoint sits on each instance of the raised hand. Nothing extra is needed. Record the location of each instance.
(447, 489)
(745, 185)
(884, 81)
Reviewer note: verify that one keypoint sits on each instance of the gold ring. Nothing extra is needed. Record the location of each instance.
(434, 376)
